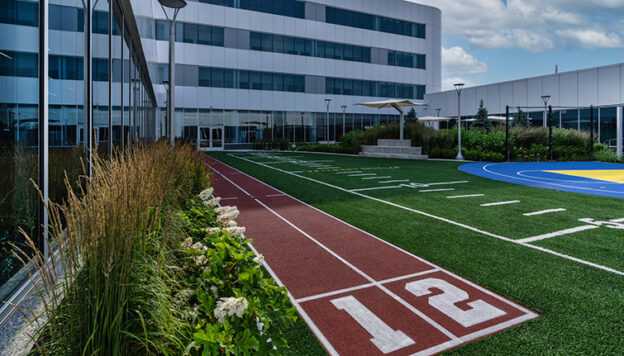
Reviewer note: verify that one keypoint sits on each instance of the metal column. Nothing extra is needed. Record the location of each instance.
(43, 123)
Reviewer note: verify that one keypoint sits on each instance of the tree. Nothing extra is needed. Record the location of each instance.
(482, 121)
(521, 119)
(411, 116)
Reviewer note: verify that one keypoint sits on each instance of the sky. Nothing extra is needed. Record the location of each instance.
(489, 41)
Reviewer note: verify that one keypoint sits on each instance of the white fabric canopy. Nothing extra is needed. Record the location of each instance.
(434, 119)
(394, 103)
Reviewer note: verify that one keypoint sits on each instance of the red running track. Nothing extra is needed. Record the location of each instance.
(359, 294)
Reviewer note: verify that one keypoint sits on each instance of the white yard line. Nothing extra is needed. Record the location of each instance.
(558, 233)
(395, 181)
(544, 212)
(465, 196)
(445, 183)
(368, 178)
(502, 203)
(362, 174)
(436, 190)
(348, 172)
(448, 221)
(376, 188)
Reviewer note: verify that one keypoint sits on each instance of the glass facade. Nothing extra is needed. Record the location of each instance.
(373, 22)
(291, 8)
(68, 122)
(408, 60)
(341, 86)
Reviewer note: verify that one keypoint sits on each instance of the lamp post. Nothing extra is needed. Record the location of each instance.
(344, 111)
(327, 101)
(176, 5)
(458, 87)
(545, 100)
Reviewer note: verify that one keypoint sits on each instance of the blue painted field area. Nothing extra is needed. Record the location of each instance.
(597, 178)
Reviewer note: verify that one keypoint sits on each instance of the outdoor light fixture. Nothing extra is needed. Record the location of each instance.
(459, 87)
(344, 110)
(327, 101)
(545, 100)
(176, 5)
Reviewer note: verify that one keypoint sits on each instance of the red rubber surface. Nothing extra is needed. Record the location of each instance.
(317, 256)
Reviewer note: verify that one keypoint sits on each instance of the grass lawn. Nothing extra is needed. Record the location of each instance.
(582, 307)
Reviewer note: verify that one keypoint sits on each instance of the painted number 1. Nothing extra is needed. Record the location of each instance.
(384, 337)
(480, 311)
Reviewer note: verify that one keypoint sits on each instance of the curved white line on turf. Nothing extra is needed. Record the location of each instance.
(467, 227)
(485, 168)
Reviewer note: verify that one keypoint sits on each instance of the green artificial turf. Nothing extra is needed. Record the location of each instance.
(582, 307)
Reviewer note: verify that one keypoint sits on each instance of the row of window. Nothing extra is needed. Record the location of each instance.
(190, 33)
(305, 47)
(244, 79)
(373, 22)
(291, 8)
(409, 60)
(341, 86)
(19, 64)
(62, 18)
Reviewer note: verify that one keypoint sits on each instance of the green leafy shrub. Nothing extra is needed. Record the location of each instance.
(606, 155)
(317, 147)
(351, 141)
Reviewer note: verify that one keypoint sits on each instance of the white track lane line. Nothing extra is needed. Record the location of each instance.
(275, 195)
(436, 190)
(544, 212)
(395, 181)
(369, 178)
(465, 196)
(559, 233)
(467, 227)
(502, 203)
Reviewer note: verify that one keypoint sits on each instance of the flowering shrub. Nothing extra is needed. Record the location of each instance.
(233, 304)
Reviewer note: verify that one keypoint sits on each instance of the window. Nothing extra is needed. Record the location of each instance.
(190, 33)
(204, 35)
(256, 41)
(216, 78)
(228, 80)
(23, 13)
(162, 30)
(278, 82)
(256, 80)
(267, 42)
(218, 36)
(243, 79)
(100, 22)
(278, 44)
(204, 77)
(341, 86)
(375, 23)
(289, 45)
(267, 81)
(409, 60)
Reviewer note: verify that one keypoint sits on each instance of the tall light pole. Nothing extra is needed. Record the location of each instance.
(459, 87)
(344, 111)
(176, 5)
(327, 101)
(545, 100)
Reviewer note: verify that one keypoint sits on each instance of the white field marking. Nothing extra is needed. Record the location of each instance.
(502, 203)
(436, 190)
(548, 211)
(377, 188)
(328, 346)
(465, 196)
(231, 198)
(618, 220)
(559, 233)
(377, 168)
(527, 316)
(366, 276)
(347, 172)
(275, 195)
(362, 174)
(445, 183)
(368, 178)
(395, 181)
(464, 226)
(296, 171)
(366, 285)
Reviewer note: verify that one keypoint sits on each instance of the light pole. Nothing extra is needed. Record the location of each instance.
(459, 87)
(344, 110)
(176, 5)
(545, 100)
(327, 101)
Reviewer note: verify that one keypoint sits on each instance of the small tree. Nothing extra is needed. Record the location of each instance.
(411, 116)
(482, 121)
(521, 119)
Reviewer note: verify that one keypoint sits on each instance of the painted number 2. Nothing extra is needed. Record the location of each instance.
(480, 311)
(386, 339)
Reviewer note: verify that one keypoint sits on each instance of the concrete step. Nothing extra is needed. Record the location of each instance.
(392, 149)
(399, 143)
(393, 155)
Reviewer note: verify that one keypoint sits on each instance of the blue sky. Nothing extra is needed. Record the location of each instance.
(487, 41)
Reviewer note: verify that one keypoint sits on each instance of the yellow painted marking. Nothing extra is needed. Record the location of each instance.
(609, 175)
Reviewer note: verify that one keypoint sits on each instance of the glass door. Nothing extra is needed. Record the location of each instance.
(210, 138)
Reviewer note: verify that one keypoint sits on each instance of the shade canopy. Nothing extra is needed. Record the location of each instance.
(434, 119)
(174, 4)
(393, 103)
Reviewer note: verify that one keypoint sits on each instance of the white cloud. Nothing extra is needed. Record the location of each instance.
(457, 61)
(449, 83)
(590, 39)
(533, 25)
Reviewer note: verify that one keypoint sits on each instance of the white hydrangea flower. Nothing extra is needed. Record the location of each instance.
(212, 202)
(259, 259)
(199, 246)
(213, 230)
(230, 307)
(214, 290)
(231, 223)
(235, 231)
(186, 244)
(206, 194)
(227, 217)
(200, 260)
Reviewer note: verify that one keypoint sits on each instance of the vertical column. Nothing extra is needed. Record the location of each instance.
(123, 111)
(43, 122)
(88, 86)
(619, 128)
(110, 79)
